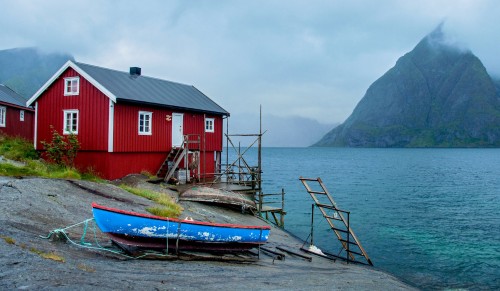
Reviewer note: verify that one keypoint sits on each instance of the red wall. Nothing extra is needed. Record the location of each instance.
(93, 109)
(117, 165)
(194, 123)
(127, 139)
(14, 126)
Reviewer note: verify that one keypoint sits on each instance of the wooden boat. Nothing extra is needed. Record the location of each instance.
(218, 196)
(155, 232)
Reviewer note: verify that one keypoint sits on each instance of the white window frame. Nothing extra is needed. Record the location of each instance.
(145, 129)
(74, 115)
(3, 114)
(21, 115)
(209, 124)
(68, 83)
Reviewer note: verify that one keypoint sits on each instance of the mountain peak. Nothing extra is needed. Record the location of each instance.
(440, 42)
(437, 95)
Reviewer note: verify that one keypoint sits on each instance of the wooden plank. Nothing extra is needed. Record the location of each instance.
(295, 253)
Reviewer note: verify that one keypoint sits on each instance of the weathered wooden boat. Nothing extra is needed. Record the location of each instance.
(155, 232)
(218, 196)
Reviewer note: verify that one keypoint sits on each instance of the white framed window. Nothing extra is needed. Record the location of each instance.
(21, 115)
(209, 125)
(71, 86)
(144, 123)
(3, 113)
(70, 122)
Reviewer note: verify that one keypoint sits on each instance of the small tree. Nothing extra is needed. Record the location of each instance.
(62, 150)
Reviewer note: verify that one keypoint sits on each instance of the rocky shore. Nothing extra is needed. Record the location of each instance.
(32, 207)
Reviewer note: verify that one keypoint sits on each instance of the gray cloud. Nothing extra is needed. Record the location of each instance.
(311, 59)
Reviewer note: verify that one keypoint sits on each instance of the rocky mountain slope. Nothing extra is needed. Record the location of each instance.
(437, 95)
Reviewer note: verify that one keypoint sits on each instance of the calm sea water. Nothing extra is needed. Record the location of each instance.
(429, 216)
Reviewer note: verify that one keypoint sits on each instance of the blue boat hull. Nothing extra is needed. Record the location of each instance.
(150, 231)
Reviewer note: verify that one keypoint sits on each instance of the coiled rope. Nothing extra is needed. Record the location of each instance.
(61, 233)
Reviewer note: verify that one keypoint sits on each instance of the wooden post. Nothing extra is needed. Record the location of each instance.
(282, 218)
(312, 223)
(260, 153)
(260, 203)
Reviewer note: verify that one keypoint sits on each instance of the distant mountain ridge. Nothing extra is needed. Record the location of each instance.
(437, 95)
(25, 70)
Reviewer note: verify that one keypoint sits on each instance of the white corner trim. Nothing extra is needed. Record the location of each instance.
(36, 125)
(111, 125)
(79, 71)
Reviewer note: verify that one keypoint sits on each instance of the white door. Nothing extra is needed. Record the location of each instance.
(177, 129)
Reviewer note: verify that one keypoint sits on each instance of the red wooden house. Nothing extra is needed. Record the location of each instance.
(128, 123)
(15, 118)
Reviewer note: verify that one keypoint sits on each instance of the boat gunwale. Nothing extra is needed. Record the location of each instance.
(132, 213)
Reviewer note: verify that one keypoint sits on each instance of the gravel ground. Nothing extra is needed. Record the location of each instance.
(32, 207)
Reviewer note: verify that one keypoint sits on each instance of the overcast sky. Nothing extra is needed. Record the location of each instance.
(310, 59)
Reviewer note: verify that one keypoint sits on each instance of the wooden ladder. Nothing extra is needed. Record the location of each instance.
(331, 213)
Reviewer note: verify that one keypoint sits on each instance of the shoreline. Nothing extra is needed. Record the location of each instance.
(34, 206)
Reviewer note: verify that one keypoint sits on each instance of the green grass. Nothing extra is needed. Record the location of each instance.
(165, 207)
(39, 169)
(18, 149)
(50, 256)
(8, 239)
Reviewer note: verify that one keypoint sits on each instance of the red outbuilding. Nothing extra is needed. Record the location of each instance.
(15, 118)
(128, 123)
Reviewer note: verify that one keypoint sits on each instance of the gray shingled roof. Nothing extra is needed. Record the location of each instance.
(9, 96)
(142, 89)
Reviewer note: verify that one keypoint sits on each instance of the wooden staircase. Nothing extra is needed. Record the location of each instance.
(176, 154)
(171, 163)
(323, 200)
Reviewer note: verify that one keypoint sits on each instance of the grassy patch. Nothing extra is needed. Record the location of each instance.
(8, 240)
(91, 175)
(16, 148)
(49, 256)
(166, 206)
(11, 170)
(148, 174)
(85, 268)
(41, 169)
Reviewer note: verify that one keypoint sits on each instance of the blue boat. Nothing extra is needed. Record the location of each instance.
(155, 232)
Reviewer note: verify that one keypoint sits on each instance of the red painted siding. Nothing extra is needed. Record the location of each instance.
(194, 123)
(13, 124)
(126, 132)
(127, 138)
(117, 165)
(93, 107)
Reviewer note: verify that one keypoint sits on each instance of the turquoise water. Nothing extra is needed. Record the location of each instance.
(429, 216)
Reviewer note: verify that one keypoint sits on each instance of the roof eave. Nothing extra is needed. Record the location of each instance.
(16, 106)
(225, 113)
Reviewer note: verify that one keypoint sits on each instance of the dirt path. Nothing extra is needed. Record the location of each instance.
(33, 207)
